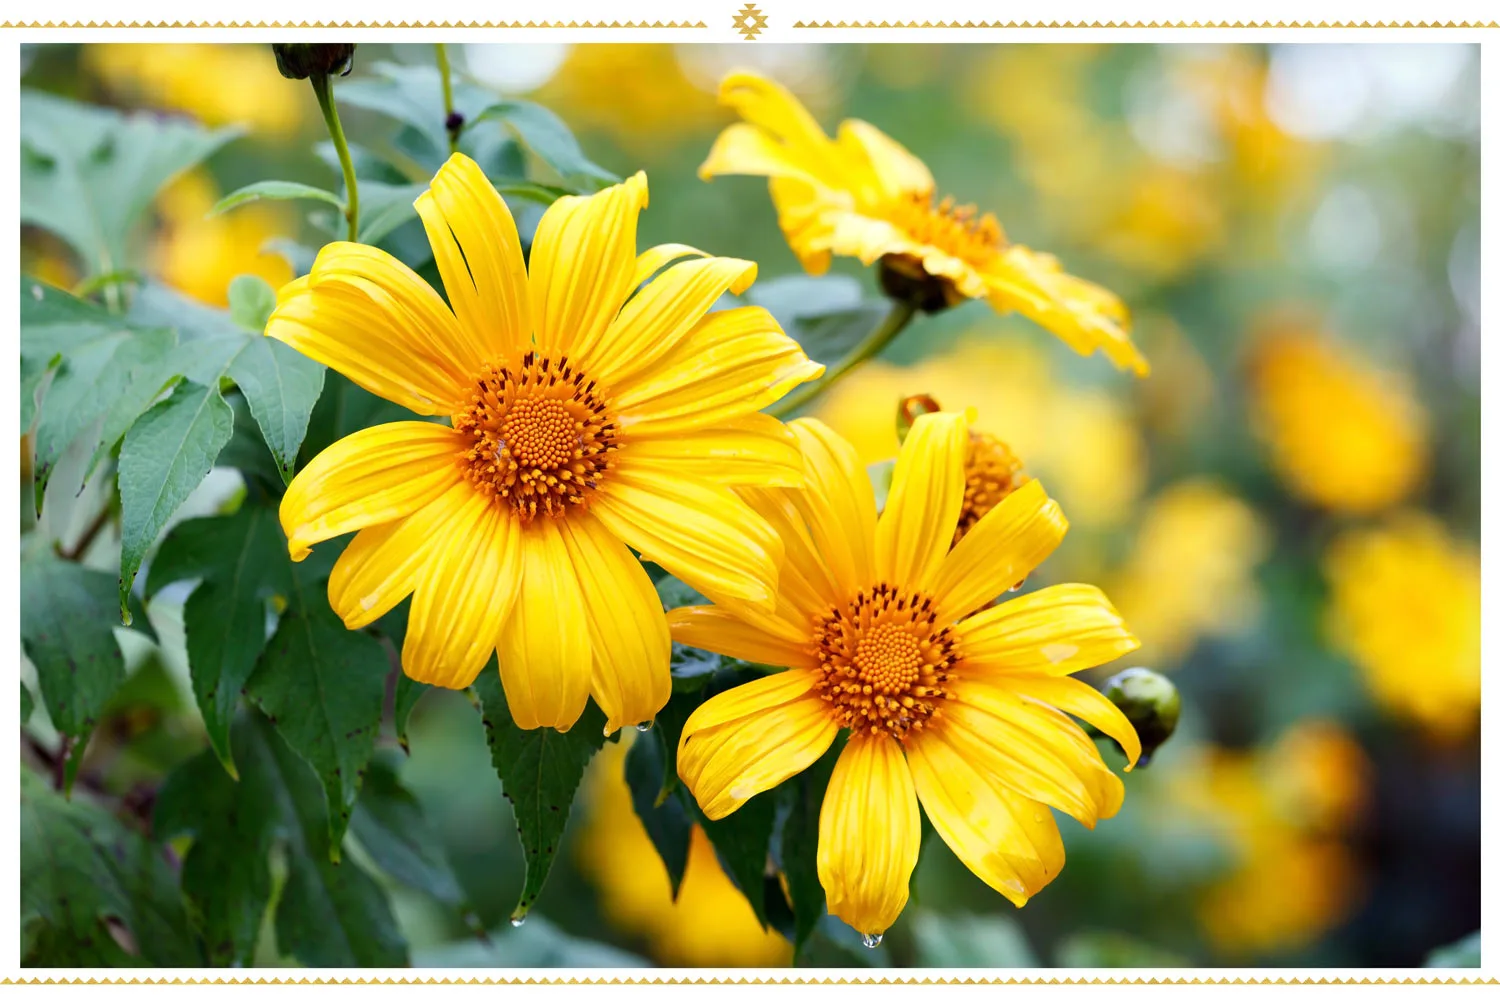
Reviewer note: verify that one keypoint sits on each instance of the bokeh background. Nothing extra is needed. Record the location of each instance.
(1286, 510)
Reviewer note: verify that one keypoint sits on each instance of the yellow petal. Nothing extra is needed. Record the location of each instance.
(869, 834)
(1057, 630)
(702, 533)
(362, 312)
(803, 585)
(380, 567)
(999, 552)
(769, 106)
(837, 506)
(582, 262)
(463, 596)
(745, 150)
(915, 530)
(1082, 314)
(1076, 698)
(1010, 842)
(755, 450)
(545, 649)
(900, 173)
(478, 253)
(654, 258)
(751, 738)
(731, 364)
(662, 314)
(735, 633)
(632, 649)
(376, 475)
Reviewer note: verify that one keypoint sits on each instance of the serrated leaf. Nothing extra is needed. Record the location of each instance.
(165, 455)
(546, 136)
(251, 301)
(82, 872)
(540, 770)
(88, 174)
(389, 824)
(667, 823)
(282, 386)
(342, 409)
(413, 95)
(274, 190)
(408, 693)
(68, 631)
(742, 841)
(323, 687)
(798, 856)
(242, 561)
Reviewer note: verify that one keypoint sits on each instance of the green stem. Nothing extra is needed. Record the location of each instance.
(447, 76)
(322, 85)
(899, 316)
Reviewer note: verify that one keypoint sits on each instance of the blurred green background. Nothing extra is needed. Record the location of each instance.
(1286, 510)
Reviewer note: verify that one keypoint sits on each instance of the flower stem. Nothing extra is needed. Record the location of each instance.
(896, 319)
(322, 85)
(446, 74)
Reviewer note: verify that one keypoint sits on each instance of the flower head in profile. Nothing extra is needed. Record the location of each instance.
(583, 414)
(863, 195)
(888, 630)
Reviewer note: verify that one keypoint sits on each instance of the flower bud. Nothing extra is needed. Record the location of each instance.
(302, 61)
(904, 279)
(1151, 704)
(910, 409)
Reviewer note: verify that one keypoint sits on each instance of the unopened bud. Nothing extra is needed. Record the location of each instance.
(1150, 702)
(302, 61)
(910, 409)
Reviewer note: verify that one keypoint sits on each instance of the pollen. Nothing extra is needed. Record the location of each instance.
(960, 231)
(991, 473)
(885, 661)
(541, 435)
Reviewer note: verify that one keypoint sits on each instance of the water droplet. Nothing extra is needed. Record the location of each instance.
(36, 291)
(1017, 585)
(645, 726)
(518, 920)
(872, 940)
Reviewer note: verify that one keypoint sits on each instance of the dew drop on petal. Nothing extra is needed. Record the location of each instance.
(1016, 586)
(645, 726)
(872, 940)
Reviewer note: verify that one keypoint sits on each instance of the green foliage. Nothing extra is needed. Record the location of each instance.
(797, 844)
(968, 941)
(389, 824)
(546, 137)
(828, 316)
(659, 808)
(251, 301)
(1460, 953)
(1113, 950)
(540, 770)
(274, 190)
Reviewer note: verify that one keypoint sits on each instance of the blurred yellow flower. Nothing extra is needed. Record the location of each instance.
(1192, 570)
(48, 260)
(200, 255)
(1292, 877)
(1404, 605)
(636, 94)
(1081, 441)
(1165, 220)
(710, 924)
(217, 84)
(953, 703)
(1341, 433)
(866, 196)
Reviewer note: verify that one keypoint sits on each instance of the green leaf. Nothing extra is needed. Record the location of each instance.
(691, 666)
(742, 841)
(540, 770)
(798, 850)
(1113, 951)
(323, 687)
(27, 704)
(389, 824)
(242, 561)
(667, 729)
(344, 408)
(282, 386)
(68, 631)
(540, 944)
(88, 174)
(83, 872)
(251, 301)
(666, 821)
(408, 693)
(165, 455)
(546, 137)
(383, 208)
(1460, 953)
(413, 95)
(964, 940)
(275, 190)
(826, 315)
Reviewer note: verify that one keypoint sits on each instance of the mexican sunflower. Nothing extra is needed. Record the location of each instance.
(864, 195)
(582, 414)
(947, 698)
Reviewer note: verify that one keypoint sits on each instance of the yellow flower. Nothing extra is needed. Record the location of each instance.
(887, 633)
(218, 84)
(866, 196)
(1341, 434)
(1081, 441)
(1291, 879)
(1404, 605)
(637, 94)
(580, 422)
(709, 924)
(200, 255)
(1192, 571)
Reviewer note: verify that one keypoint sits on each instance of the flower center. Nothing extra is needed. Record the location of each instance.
(959, 231)
(991, 472)
(884, 661)
(541, 436)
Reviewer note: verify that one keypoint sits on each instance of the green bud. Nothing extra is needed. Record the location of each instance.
(302, 61)
(1150, 702)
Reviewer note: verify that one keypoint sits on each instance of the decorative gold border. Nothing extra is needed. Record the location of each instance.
(637, 25)
(1144, 24)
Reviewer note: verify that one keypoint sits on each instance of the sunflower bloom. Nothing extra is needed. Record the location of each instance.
(581, 419)
(887, 633)
(866, 196)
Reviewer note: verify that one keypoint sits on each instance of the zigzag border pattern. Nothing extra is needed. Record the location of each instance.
(354, 24)
(1145, 24)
